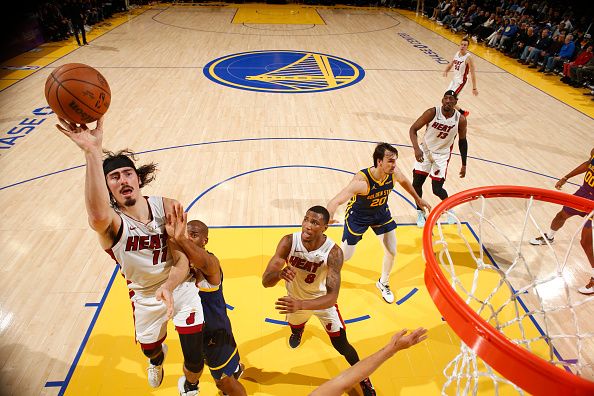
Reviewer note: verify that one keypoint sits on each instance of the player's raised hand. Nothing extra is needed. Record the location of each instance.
(163, 294)
(418, 154)
(288, 273)
(176, 222)
(85, 138)
(401, 340)
(463, 171)
(287, 304)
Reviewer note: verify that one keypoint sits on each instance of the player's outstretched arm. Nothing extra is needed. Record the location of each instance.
(276, 269)
(102, 218)
(581, 168)
(358, 185)
(423, 120)
(406, 184)
(363, 369)
(199, 258)
(448, 68)
(462, 144)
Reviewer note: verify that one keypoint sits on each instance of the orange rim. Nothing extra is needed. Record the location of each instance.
(526, 370)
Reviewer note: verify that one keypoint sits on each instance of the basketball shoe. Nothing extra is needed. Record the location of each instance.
(588, 290)
(185, 388)
(295, 338)
(541, 241)
(386, 292)
(367, 388)
(420, 219)
(155, 372)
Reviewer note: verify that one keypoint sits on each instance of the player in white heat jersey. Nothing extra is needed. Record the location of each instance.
(310, 264)
(433, 154)
(463, 65)
(133, 229)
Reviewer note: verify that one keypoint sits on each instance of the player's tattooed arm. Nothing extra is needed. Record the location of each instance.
(276, 269)
(335, 260)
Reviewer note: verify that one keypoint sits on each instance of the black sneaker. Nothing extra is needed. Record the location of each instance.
(367, 388)
(295, 338)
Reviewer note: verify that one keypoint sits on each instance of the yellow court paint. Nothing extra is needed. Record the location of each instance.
(111, 364)
(549, 84)
(277, 14)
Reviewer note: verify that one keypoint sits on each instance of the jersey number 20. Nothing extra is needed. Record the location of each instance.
(378, 201)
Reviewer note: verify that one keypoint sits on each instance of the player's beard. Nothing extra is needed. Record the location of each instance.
(130, 202)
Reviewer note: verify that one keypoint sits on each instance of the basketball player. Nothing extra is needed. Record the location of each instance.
(220, 348)
(133, 230)
(586, 190)
(462, 64)
(368, 207)
(340, 384)
(310, 263)
(432, 156)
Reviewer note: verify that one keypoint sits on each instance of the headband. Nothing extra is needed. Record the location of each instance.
(119, 161)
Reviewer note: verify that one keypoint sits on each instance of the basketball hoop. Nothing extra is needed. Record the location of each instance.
(479, 321)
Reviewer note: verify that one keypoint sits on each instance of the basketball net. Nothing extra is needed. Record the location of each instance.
(515, 306)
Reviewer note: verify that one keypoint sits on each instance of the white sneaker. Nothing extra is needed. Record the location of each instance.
(541, 241)
(155, 373)
(420, 219)
(451, 217)
(588, 290)
(181, 382)
(386, 292)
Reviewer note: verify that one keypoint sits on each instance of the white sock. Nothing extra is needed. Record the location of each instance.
(550, 233)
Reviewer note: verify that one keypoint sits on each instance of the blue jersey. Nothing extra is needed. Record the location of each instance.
(376, 197)
(214, 306)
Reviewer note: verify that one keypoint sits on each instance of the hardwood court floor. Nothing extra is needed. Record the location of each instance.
(54, 274)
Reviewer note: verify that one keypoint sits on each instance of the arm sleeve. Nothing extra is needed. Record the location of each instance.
(463, 146)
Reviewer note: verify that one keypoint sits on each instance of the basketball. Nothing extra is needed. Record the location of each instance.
(78, 93)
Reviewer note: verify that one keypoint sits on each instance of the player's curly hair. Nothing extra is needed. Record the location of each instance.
(146, 173)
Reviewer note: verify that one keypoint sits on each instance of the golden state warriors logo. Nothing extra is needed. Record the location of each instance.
(284, 71)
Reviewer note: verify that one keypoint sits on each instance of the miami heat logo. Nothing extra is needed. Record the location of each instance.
(284, 71)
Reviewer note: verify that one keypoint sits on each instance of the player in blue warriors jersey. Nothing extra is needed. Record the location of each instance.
(367, 194)
(586, 190)
(220, 349)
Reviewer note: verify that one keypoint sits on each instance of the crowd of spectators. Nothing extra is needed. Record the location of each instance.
(551, 38)
(61, 19)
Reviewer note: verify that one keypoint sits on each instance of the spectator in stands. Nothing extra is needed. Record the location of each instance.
(531, 54)
(581, 74)
(525, 38)
(569, 68)
(74, 11)
(509, 33)
(564, 55)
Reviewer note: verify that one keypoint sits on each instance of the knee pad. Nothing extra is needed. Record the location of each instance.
(152, 353)
(191, 345)
(347, 250)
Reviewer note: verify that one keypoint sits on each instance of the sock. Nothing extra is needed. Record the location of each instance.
(550, 233)
(188, 386)
(158, 360)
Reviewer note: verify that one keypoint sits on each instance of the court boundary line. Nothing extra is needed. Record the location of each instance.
(241, 140)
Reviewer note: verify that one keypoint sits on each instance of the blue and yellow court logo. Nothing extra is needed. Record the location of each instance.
(284, 71)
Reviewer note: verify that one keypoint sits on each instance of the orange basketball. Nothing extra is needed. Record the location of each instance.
(78, 93)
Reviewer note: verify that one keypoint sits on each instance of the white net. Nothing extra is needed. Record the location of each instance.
(529, 293)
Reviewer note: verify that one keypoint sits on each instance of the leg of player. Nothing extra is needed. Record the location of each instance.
(296, 334)
(191, 345)
(439, 191)
(342, 345)
(587, 244)
(417, 182)
(156, 357)
(231, 386)
(389, 243)
(558, 222)
(347, 250)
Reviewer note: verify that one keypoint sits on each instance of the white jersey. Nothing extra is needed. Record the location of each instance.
(461, 67)
(141, 250)
(311, 268)
(441, 132)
